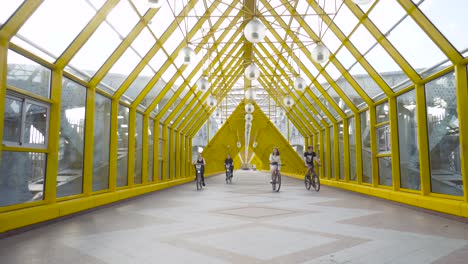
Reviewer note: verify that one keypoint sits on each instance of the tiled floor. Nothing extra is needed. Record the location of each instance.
(245, 222)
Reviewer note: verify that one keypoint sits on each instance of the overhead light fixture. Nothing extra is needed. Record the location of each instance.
(155, 3)
(362, 2)
(252, 72)
(187, 55)
(248, 117)
(320, 53)
(254, 31)
(288, 101)
(249, 108)
(203, 84)
(211, 101)
(239, 144)
(250, 94)
(299, 83)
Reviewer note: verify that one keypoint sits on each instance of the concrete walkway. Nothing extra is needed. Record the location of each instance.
(245, 222)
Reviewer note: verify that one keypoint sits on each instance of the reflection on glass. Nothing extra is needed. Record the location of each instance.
(385, 171)
(71, 144)
(28, 75)
(383, 139)
(352, 149)
(444, 136)
(102, 108)
(35, 127)
(382, 113)
(122, 149)
(12, 120)
(138, 148)
(22, 177)
(408, 141)
(365, 81)
(366, 148)
(332, 151)
(341, 148)
(150, 149)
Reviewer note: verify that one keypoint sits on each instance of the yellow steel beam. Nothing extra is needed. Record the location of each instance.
(395, 143)
(131, 148)
(145, 145)
(358, 138)
(352, 49)
(123, 46)
(3, 85)
(164, 172)
(16, 21)
(85, 34)
(113, 146)
(156, 174)
(391, 50)
(436, 36)
(462, 97)
(88, 147)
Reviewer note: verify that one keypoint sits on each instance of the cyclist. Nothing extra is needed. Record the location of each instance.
(201, 160)
(274, 161)
(230, 162)
(310, 157)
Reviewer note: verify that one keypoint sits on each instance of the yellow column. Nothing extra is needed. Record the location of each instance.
(423, 142)
(172, 143)
(3, 84)
(89, 142)
(329, 152)
(144, 157)
(113, 146)
(373, 143)
(164, 153)
(346, 153)
(131, 148)
(156, 174)
(395, 154)
(462, 98)
(336, 152)
(357, 122)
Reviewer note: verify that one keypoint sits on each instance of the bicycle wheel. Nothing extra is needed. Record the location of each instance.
(278, 181)
(199, 183)
(273, 182)
(316, 182)
(229, 178)
(307, 181)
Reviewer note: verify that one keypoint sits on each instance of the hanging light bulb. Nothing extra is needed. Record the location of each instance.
(320, 53)
(252, 72)
(249, 108)
(299, 83)
(203, 84)
(239, 144)
(211, 101)
(155, 3)
(250, 94)
(248, 117)
(218, 113)
(254, 31)
(288, 101)
(254, 145)
(187, 54)
(362, 2)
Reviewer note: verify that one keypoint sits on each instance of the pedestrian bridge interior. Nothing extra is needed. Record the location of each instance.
(106, 100)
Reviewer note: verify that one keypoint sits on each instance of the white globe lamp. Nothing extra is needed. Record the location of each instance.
(288, 101)
(362, 2)
(254, 31)
(299, 83)
(320, 53)
(203, 84)
(187, 55)
(248, 117)
(249, 108)
(252, 72)
(250, 94)
(155, 3)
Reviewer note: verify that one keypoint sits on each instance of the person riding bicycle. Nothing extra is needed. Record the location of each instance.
(275, 161)
(310, 157)
(201, 160)
(230, 162)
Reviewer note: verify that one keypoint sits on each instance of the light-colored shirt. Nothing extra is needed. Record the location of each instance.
(275, 158)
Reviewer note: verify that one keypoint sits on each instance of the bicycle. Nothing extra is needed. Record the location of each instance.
(313, 181)
(276, 178)
(228, 173)
(199, 181)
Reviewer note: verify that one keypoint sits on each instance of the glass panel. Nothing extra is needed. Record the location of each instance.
(137, 86)
(123, 10)
(408, 141)
(345, 57)
(345, 20)
(150, 149)
(122, 149)
(450, 19)
(385, 171)
(201, 137)
(444, 136)
(362, 39)
(73, 17)
(352, 149)
(35, 126)
(414, 45)
(346, 87)
(12, 120)
(341, 149)
(382, 112)
(28, 75)
(8, 8)
(153, 93)
(102, 122)
(386, 14)
(121, 69)
(365, 81)
(383, 139)
(96, 50)
(22, 177)
(71, 144)
(332, 151)
(138, 148)
(366, 148)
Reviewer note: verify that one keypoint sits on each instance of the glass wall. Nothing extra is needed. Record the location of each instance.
(138, 148)
(102, 108)
(408, 141)
(443, 135)
(366, 151)
(352, 149)
(122, 146)
(383, 144)
(71, 144)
